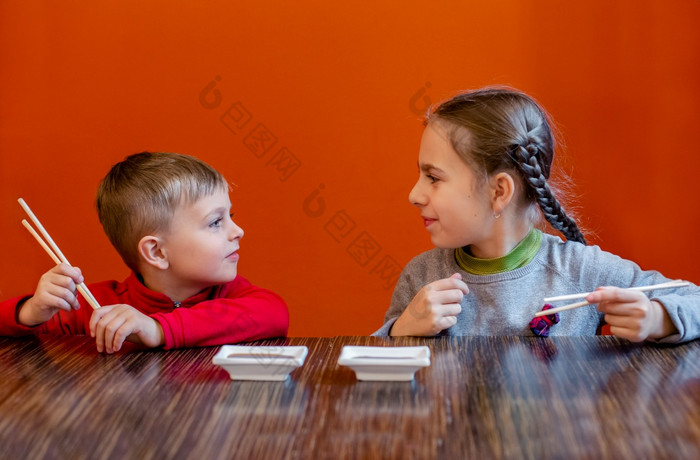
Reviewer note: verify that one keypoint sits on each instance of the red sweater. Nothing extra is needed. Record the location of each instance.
(233, 312)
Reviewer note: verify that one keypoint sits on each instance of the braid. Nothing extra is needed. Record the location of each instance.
(526, 160)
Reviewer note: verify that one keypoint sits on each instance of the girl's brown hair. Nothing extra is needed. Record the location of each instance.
(507, 130)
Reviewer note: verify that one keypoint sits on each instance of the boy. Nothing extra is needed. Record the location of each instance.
(168, 217)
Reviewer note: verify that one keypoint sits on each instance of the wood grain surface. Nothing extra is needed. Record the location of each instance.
(482, 397)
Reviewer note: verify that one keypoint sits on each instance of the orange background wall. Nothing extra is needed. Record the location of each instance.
(340, 87)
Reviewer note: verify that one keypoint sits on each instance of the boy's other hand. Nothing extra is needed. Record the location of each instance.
(56, 291)
(111, 325)
(433, 309)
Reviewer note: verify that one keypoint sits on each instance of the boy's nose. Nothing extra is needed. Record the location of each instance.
(236, 232)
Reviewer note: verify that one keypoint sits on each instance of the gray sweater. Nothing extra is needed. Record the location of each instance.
(504, 303)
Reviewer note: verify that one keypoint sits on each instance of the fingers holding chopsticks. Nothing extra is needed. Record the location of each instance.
(58, 287)
(52, 249)
(664, 285)
(55, 291)
(630, 313)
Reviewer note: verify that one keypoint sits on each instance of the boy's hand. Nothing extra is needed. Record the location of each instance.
(631, 315)
(433, 309)
(56, 291)
(111, 325)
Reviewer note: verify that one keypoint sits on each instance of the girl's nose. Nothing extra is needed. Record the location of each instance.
(416, 197)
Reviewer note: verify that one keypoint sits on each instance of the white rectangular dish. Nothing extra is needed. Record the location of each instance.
(260, 362)
(385, 363)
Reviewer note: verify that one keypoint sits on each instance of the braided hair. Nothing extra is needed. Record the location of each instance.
(506, 130)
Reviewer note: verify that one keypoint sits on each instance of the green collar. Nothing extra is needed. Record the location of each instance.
(521, 255)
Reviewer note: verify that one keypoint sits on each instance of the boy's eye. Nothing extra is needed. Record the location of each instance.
(216, 223)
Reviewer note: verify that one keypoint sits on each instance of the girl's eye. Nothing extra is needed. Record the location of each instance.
(431, 178)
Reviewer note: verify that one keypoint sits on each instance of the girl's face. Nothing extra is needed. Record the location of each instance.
(455, 206)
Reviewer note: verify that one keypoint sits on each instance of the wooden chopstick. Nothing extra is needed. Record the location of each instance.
(667, 284)
(551, 311)
(53, 251)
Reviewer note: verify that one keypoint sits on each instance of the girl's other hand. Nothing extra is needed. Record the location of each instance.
(433, 309)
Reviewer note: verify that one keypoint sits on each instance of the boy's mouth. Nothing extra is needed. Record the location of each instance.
(234, 256)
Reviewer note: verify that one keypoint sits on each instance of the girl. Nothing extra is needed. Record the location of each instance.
(484, 161)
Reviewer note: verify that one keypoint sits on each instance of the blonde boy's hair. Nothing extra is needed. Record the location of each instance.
(139, 195)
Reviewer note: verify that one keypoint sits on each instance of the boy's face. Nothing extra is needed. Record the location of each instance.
(202, 243)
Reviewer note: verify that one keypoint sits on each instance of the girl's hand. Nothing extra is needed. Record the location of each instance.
(111, 325)
(56, 291)
(631, 315)
(433, 309)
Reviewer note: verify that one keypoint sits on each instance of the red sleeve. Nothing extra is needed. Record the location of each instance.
(8, 319)
(73, 322)
(241, 312)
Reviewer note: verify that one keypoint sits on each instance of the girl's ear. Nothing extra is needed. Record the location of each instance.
(502, 191)
(151, 252)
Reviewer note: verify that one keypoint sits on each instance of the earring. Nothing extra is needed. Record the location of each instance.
(496, 216)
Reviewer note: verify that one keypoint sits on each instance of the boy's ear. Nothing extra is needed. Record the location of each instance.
(502, 191)
(151, 252)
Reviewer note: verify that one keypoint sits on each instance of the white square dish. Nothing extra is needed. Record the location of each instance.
(385, 363)
(260, 362)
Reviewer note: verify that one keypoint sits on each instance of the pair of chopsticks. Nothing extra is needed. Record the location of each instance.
(551, 311)
(52, 250)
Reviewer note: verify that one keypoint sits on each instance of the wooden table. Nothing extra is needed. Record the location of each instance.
(482, 397)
